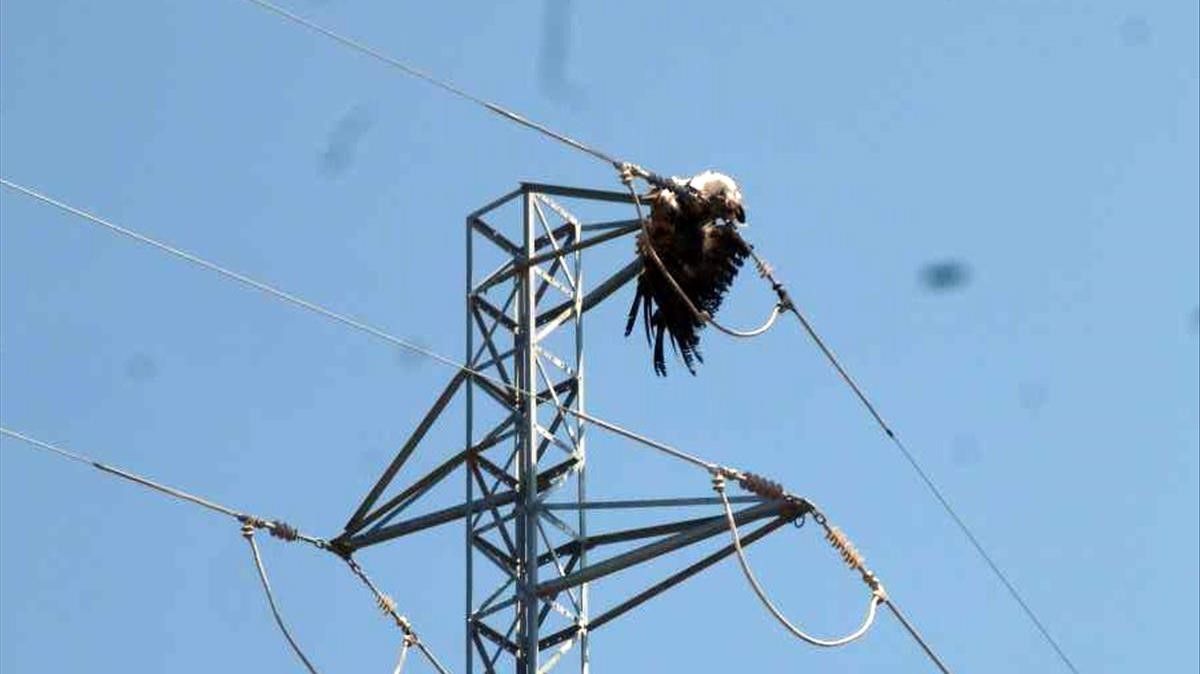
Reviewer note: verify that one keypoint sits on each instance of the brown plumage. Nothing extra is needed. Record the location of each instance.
(693, 232)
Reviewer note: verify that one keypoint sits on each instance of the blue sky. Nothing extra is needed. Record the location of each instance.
(1050, 147)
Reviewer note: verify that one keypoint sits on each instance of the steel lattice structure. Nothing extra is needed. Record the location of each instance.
(523, 459)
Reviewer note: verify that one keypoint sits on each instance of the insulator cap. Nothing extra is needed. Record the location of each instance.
(842, 544)
(284, 531)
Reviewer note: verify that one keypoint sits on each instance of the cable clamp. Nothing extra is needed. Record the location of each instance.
(876, 586)
(628, 172)
(718, 480)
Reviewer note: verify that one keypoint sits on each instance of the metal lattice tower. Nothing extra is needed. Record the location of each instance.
(524, 456)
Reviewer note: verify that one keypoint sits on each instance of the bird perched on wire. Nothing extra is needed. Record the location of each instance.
(692, 230)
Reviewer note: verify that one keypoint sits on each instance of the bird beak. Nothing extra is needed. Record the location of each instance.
(740, 213)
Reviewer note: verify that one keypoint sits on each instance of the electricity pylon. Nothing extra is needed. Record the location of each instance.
(528, 546)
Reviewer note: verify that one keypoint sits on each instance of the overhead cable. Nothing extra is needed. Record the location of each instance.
(344, 319)
(250, 523)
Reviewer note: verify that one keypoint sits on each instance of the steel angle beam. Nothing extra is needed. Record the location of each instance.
(706, 529)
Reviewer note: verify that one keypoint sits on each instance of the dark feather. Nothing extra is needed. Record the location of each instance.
(704, 258)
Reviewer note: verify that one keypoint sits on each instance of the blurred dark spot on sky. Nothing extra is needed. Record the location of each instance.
(945, 275)
(555, 52)
(1135, 31)
(964, 450)
(341, 146)
(1033, 395)
(1195, 322)
(141, 367)
(409, 359)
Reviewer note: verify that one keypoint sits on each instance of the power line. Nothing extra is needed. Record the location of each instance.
(785, 300)
(248, 533)
(226, 272)
(276, 527)
(376, 332)
(845, 375)
(622, 166)
(342, 318)
(381, 334)
(283, 530)
(442, 84)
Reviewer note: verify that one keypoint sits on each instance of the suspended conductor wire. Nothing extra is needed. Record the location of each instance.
(916, 636)
(249, 524)
(786, 301)
(248, 533)
(667, 449)
(877, 596)
(619, 165)
(147, 482)
(766, 488)
(381, 598)
(446, 86)
(612, 427)
(343, 319)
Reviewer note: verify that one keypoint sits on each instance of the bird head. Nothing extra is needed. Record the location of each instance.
(721, 194)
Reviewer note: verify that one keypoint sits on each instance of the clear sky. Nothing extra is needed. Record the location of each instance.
(1043, 152)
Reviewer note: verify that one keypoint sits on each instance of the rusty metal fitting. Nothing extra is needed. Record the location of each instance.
(283, 531)
(761, 486)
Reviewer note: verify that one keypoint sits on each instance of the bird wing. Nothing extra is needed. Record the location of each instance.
(703, 258)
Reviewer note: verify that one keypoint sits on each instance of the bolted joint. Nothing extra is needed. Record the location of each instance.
(341, 547)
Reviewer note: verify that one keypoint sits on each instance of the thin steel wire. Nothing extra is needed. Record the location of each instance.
(247, 521)
(916, 636)
(679, 454)
(381, 598)
(126, 475)
(266, 584)
(619, 165)
(526, 122)
(343, 319)
(930, 485)
(446, 86)
(226, 272)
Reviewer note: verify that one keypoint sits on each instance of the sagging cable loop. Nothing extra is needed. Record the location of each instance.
(768, 487)
(628, 173)
(248, 528)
